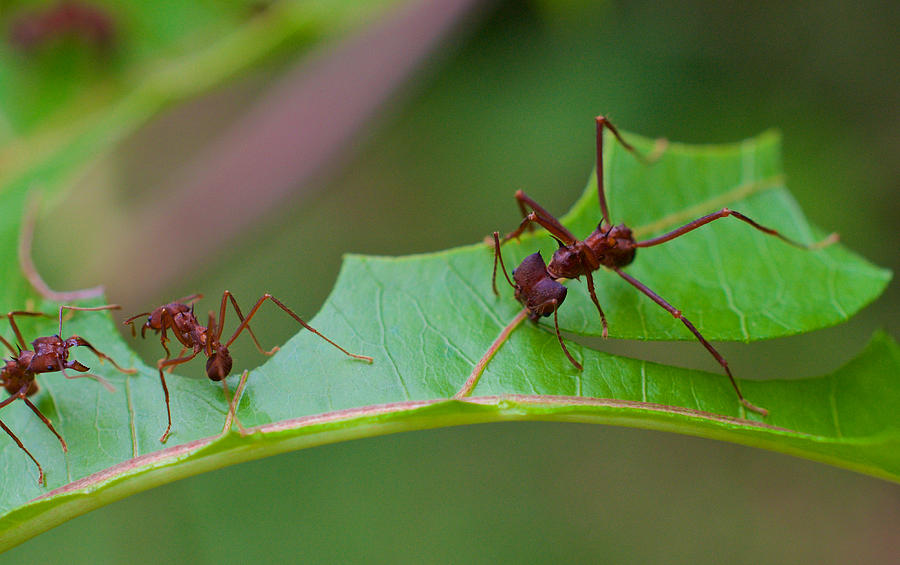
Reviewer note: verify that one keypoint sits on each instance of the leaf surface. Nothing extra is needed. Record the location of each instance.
(428, 319)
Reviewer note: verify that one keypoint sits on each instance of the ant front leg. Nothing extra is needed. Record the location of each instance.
(498, 255)
(78, 341)
(542, 217)
(22, 393)
(559, 337)
(180, 353)
(724, 213)
(712, 350)
(162, 364)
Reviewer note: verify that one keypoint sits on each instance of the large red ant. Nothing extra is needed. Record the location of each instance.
(614, 247)
(180, 319)
(47, 355)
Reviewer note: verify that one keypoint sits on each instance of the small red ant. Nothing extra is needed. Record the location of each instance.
(47, 355)
(67, 18)
(180, 319)
(610, 246)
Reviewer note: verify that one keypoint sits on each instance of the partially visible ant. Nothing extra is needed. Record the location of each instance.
(539, 292)
(180, 319)
(613, 247)
(66, 18)
(47, 355)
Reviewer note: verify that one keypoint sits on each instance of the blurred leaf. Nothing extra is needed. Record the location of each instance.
(64, 102)
(427, 320)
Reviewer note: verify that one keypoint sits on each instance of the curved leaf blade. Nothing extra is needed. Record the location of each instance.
(427, 320)
(62, 114)
(734, 282)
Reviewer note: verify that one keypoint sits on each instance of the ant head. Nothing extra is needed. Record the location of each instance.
(218, 366)
(530, 271)
(50, 361)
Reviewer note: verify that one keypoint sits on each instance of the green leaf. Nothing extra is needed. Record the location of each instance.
(731, 280)
(63, 106)
(428, 319)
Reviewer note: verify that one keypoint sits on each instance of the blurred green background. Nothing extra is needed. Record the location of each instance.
(507, 102)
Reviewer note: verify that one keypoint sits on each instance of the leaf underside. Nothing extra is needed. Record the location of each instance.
(428, 319)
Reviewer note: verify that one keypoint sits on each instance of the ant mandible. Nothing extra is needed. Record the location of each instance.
(180, 319)
(610, 246)
(47, 355)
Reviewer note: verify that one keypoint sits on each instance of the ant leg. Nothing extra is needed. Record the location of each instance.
(162, 379)
(524, 210)
(80, 341)
(97, 378)
(13, 397)
(162, 364)
(291, 313)
(590, 284)
(602, 122)
(542, 217)
(724, 213)
(44, 419)
(498, 255)
(677, 314)
(8, 345)
(190, 299)
(180, 353)
(25, 449)
(559, 337)
(12, 322)
(241, 317)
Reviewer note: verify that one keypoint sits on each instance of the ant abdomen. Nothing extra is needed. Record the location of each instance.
(218, 366)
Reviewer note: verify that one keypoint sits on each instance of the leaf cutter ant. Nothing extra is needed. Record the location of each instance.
(610, 246)
(178, 317)
(47, 355)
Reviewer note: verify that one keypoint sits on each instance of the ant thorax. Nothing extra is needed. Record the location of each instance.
(15, 375)
(609, 246)
(50, 353)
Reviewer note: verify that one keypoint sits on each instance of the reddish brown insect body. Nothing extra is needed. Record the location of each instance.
(535, 288)
(67, 18)
(613, 247)
(178, 317)
(47, 355)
